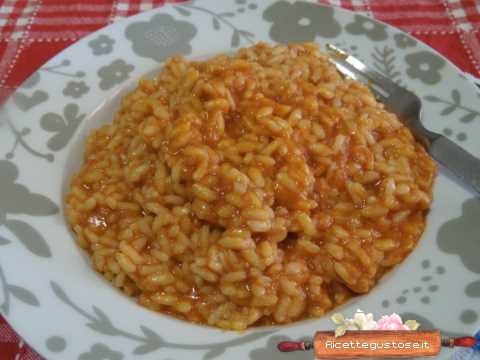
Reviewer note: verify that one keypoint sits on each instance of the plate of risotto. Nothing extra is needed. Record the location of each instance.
(199, 181)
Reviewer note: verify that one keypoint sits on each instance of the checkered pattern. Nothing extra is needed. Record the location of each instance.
(130, 7)
(32, 31)
(12, 347)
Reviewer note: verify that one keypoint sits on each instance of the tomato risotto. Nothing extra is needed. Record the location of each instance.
(257, 188)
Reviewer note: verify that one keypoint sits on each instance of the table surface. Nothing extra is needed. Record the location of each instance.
(33, 31)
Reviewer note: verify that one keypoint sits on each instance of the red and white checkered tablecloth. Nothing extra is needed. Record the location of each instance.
(33, 31)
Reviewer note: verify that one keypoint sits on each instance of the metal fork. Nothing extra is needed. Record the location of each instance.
(408, 107)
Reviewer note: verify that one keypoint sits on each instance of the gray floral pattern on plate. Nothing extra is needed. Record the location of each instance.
(454, 106)
(447, 238)
(31, 81)
(56, 344)
(101, 352)
(26, 102)
(473, 289)
(20, 141)
(55, 69)
(363, 25)
(102, 45)
(115, 73)
(161, 37)
(218, 19)
(63, 126)
(427, 324)
(8, 290)
(467, 225)
(150, 341)
(425, 66)
(468, 316)
(384, 61)
(404, 41)
(75, 89)
(423, 289)
(460, 136)
(468, 113)
(18, 199)
(300, 21)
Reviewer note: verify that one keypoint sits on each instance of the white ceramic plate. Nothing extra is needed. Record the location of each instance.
(63, 309)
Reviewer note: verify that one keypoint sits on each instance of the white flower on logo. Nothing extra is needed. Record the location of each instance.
(361, 321)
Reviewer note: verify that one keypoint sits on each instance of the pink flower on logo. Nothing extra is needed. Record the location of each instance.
(392, 322)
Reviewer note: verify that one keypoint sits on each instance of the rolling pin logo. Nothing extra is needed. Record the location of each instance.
(387, 338)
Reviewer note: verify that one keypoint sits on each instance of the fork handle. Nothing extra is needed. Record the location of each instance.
(460, 162)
